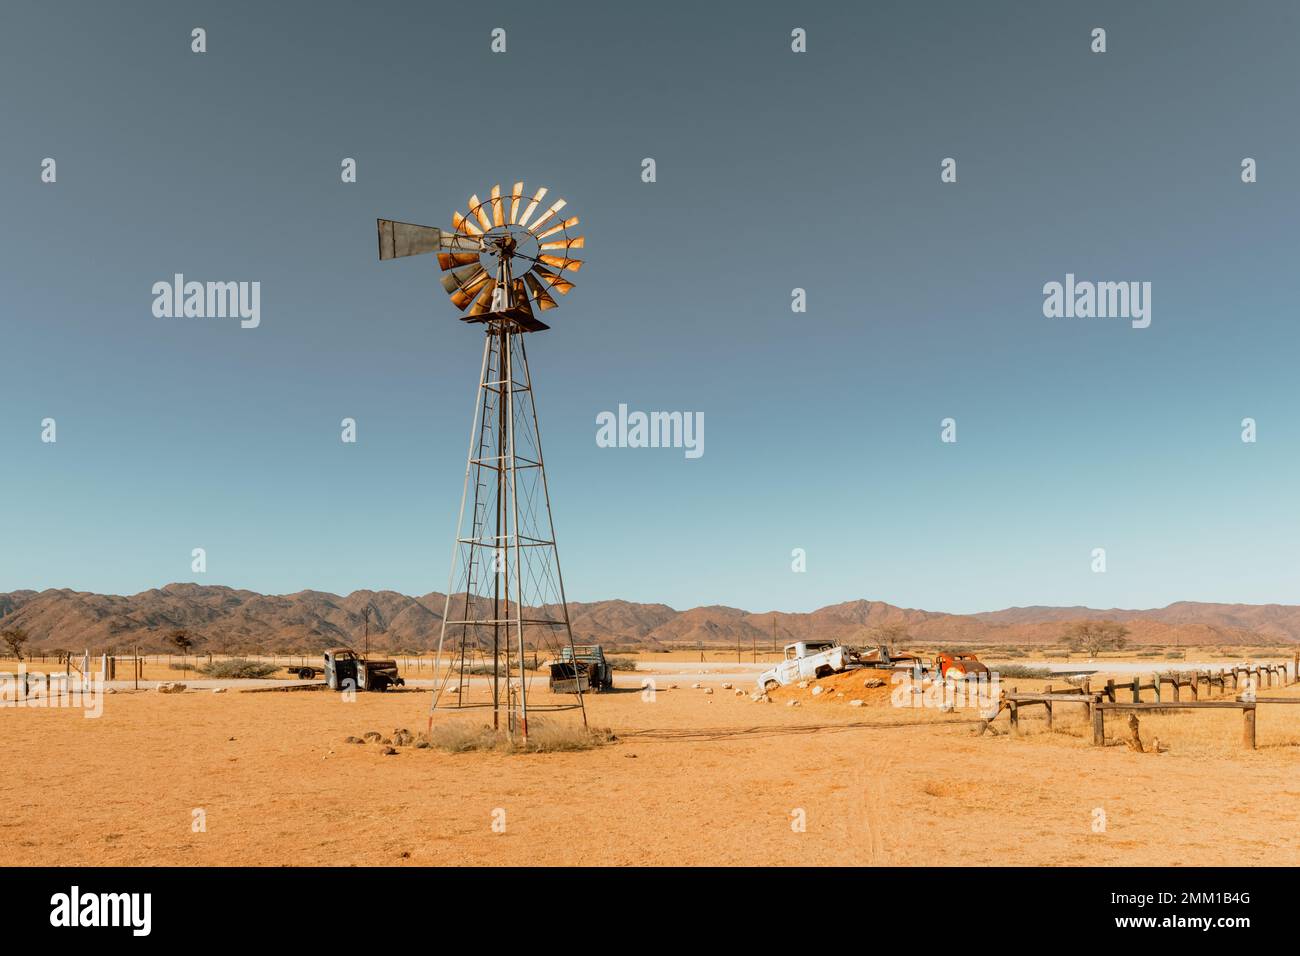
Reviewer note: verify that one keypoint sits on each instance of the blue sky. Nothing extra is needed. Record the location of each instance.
(775, 170)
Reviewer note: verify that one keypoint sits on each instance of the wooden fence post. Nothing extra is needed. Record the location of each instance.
(1248, 727)
(1048, 704)
(1155, 679)
(1014, 712)
(1177, 682)
(1137, 689)
(1098, 724)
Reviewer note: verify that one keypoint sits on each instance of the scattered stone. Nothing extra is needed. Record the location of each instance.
(739, 692)
(708, 690)
(386, 741)
(218, 690)
(422, 745)
(353, 740)
(818, 690)
(855, 703)
(803, 684)
(696, 686)
(372, 735)
(388, 751)
(792, 703)
(873, 682)
(726, 686)
(170, 687)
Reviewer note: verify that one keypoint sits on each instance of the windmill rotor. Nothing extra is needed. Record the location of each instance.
(509, 253)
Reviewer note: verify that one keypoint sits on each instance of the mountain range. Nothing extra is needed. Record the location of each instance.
(226, 620)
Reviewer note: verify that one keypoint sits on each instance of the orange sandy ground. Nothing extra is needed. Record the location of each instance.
(693, 779)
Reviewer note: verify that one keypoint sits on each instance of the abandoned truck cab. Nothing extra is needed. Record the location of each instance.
(806, 660)
(345, 669)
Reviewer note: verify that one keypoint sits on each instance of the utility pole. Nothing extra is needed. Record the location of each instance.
(366, 614)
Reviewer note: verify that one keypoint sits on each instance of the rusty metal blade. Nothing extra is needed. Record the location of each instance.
(462, 277)
(476, 210)
(551, 211)
(577, 242)
(461, 224)
(397, 239)
(554, 279)
(483, 302)
(539, 293)
(465, 294)
(567, 224)
(571, 265)
(449, 260)
(498, 219)
(515, 195)
(532, 204)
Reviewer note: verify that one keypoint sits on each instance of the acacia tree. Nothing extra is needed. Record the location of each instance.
(15, 637)
(1093, 637)
(181, 638)
(890, 636)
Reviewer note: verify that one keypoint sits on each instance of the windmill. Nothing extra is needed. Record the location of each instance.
(509, 253)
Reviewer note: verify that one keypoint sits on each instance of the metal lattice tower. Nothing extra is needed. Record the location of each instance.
(505, 595)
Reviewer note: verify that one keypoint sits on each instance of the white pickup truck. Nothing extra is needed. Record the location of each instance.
(807, 660)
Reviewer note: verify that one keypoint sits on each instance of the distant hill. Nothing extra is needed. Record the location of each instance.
(223, 619)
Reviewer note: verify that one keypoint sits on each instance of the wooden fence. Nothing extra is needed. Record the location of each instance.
(1098, 702)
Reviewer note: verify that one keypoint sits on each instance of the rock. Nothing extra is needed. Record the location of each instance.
(873, 682)
(388, 751)
(739, 692)
(726, 687)
(803, 684)
(422, 745)
(353, 740)
(218, 690)
(855, 703)
(792, 703)
(386, 741)
(708, 690)
(372, 735)
(818, 690)
(403, 738)
(696, 686)
(171, 687)
(672, 686)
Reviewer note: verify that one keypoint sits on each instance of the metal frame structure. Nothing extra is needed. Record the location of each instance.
(509, 583)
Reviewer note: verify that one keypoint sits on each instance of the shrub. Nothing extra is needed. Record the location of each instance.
(545, 737)
(622, 664)
(236, 668)
(1023, 671)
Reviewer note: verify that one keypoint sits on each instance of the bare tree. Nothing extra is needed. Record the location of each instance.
(15, 637)
(891, 636)
(181, 638)
(1093, 637)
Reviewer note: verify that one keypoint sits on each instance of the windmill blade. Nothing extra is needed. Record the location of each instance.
(483, 302)
(539, 294)
(461, 224)
(572, 265)
(398, 239)
(577, 242)
(498, 219)
(551, 211)
(515, 195)
(465, 294)
(554, 279)
(449, 260)
(567, 224)
(476, 209)
(462, 278)
(537, 198)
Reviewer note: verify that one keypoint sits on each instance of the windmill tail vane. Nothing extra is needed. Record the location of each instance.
(503, 261)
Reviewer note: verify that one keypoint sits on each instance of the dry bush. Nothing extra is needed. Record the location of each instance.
(544, 737)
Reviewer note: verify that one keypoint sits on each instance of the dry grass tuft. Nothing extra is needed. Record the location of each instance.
(543, 737)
